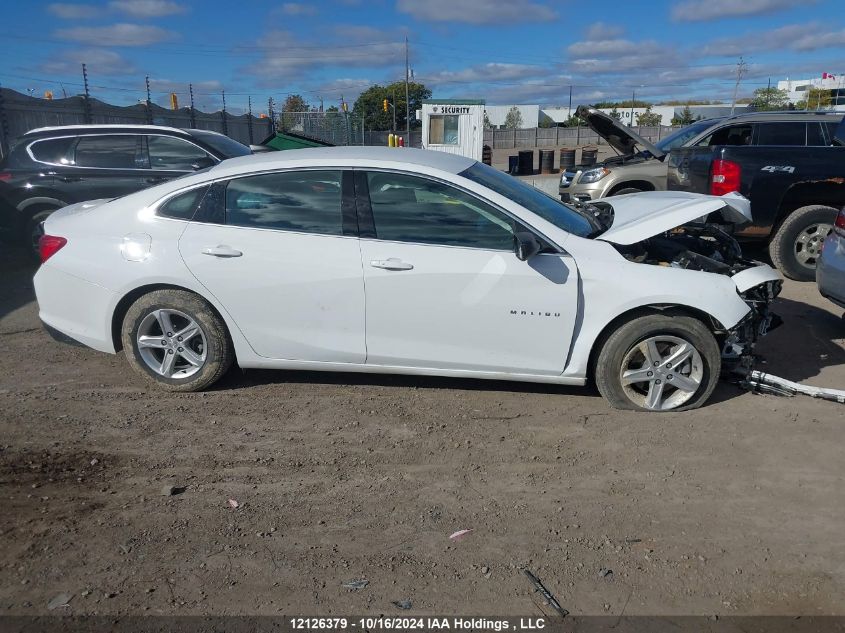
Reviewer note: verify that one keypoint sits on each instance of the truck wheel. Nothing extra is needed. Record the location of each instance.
(622, 192)
(797, 244)
(658, 362)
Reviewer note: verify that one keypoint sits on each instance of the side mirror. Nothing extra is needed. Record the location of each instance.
(525, 245)
(202, 163)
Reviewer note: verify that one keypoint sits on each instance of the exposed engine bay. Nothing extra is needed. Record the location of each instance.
(708, 246)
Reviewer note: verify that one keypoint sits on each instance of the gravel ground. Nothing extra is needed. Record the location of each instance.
(736, 508)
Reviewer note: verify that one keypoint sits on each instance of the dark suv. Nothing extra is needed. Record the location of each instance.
(53, 167)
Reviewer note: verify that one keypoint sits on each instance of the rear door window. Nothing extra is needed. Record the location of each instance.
(782, 133)
(114, 151)
(302, 201)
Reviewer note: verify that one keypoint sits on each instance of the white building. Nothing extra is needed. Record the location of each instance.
(530, 115)
(558, 115)
(796, 89)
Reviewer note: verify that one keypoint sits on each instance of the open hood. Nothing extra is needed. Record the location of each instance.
(619, 136)
(639, 216)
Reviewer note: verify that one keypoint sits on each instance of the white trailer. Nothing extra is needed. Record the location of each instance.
(455, 126)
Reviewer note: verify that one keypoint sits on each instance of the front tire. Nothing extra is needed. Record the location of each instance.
(658, 363)
(797, 244)
(174, 339)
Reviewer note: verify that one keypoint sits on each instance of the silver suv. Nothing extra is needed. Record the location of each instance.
(639, 165)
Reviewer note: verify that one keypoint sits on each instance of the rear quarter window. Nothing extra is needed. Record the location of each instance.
(184, 205)
(55, 151)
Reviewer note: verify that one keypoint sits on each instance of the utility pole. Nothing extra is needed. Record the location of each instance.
(741, 67)
(87, 102)
(407, 99)
(149, 100)
(223, 114)
(633, 98)
(249, 118)
(768, 91)
(569, 111)
(193, 112)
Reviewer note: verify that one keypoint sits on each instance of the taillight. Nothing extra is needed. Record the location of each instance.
(5, 176)
(839, 225)
(724, 177)
(49, 245)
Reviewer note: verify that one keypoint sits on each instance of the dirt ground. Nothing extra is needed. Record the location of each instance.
(737, 508)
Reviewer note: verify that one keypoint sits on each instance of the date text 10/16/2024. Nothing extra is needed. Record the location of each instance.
(431, 623)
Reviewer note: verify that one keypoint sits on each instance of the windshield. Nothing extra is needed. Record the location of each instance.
(550, 209)
(226, 147)
(679, 137)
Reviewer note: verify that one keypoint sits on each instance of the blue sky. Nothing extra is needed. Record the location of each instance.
(506, 51)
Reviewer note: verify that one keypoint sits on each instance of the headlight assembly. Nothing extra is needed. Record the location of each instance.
(593, 175)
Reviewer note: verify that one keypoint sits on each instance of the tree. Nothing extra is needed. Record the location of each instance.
(817, 99)
(684, 118)
(332, 108)
(370, 104)
(769, 99)
(487, 124)
(574, 121)
(546, 122)
(615, 114)
(292, 108)
(513, 120)
(649, 118)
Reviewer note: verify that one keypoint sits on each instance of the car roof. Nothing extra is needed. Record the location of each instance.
(350, 156)
(784, 115)
(109, 127)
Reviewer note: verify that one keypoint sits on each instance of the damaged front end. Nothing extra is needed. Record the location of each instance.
(708, 246)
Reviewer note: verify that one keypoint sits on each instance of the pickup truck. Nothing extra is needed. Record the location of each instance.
(790, 165)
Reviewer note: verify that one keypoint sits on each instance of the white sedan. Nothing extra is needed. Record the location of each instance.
(410, 262)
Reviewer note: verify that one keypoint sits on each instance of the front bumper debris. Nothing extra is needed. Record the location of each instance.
(761, 382)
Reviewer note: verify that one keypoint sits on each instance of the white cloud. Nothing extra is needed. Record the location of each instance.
(477, 11)
(704, 10)
(117, 35)
(297, 9)
(99, 62)
(147, 8)
(483, 73)
(286, 56)
(798, 37)
(603, 31)
(68, 11)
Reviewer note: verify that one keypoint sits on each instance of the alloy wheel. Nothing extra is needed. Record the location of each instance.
(661, 372)
(171, 343)
(808, 244)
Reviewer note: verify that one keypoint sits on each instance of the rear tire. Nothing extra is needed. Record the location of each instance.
(33, 230)
(637, 368)
(174, 339)
(796, 245)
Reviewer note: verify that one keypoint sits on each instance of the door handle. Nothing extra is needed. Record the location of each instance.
(391, 264)
(221, 251)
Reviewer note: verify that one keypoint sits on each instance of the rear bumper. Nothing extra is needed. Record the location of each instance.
(60, 337)
(74, 308)
(830, 271)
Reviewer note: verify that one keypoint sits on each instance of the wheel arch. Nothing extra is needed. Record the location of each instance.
(657, 308)
(829, 192)
(123, 305)
(643, 185)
